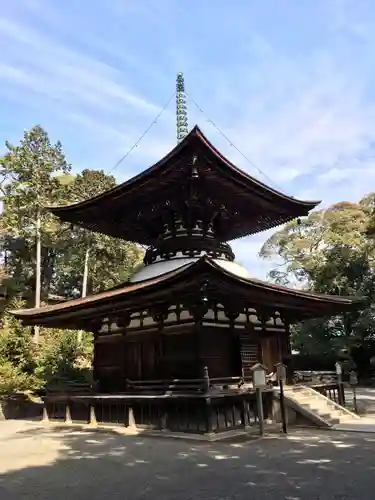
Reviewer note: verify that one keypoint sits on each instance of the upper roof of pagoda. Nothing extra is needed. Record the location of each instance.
(193, 176)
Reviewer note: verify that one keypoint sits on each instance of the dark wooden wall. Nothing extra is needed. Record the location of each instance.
(183, 352)
(109, 366)
(219, 351)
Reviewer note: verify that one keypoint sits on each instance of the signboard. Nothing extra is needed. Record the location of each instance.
(281, 372)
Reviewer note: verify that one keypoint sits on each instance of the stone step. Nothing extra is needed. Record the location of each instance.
(318, 404)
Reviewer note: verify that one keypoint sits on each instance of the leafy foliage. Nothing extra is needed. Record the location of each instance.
(62, 356)
(33, 175)
(329, 252)
(13, 379)
(16, 345)
(26, 366)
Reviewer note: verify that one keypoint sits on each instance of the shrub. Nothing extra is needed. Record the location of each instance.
(25, 366)
(62, 356)
(13, 380)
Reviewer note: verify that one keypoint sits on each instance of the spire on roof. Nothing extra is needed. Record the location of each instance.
(181, 108)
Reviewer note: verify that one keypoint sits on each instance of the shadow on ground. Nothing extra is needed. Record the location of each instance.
(365, 400)
(49, 463)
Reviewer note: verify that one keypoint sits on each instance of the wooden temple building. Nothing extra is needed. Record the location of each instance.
(174, 346)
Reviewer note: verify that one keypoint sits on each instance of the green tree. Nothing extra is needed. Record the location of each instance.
(328, 252)
(89, 262)
(29, 183)
(71, 260)
(17, 356)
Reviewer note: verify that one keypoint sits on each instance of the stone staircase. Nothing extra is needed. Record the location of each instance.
(317, 408)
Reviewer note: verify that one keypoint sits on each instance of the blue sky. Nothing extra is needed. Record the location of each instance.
(291, 83)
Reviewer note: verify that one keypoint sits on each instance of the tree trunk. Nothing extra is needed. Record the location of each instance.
(38, 269)
(84, 282)
(85, 272)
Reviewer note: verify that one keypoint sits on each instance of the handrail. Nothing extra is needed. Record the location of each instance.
(177, 382)
(166, 381)
(186, 380)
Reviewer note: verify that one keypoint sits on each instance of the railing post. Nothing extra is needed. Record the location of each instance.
(206, 380)
(130, 417)
(208, 416)
(340, 385)
(45, 417)
(342, 394)
(93, 420)
(163, 419)
(68, 416)
(245, 413)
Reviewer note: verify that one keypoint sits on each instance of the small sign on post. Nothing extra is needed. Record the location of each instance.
(353, 381)
(338, 368)
(259, 382)
(281, 372)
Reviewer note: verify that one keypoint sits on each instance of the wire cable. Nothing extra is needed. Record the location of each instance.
(233, 145)
(135, 145)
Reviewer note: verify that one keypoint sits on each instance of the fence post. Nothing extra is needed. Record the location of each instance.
(208, 416)
(130, 417)
(68, 416)
(340, 384)
(93, 421)
(45, 417)
(206, 380)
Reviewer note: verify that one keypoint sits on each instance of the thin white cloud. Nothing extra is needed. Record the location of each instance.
(321, 124)
(58, 71)
(304, 119)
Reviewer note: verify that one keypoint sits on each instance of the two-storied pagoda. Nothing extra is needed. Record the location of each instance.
(192, 305)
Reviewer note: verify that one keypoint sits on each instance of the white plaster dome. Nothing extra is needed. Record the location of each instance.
(165, 266)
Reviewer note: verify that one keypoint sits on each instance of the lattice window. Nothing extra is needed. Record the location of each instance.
(249, 354)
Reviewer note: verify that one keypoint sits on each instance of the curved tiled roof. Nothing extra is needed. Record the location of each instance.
(122, 211)
(204, 270)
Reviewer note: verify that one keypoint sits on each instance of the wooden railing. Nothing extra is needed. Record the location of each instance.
(332, 392)
(325, 382)
(192, 413)
(199, 385)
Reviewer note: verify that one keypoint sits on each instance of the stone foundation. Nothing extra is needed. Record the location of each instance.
(19, 407)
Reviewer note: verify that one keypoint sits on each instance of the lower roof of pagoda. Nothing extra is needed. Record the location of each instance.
(187, 283)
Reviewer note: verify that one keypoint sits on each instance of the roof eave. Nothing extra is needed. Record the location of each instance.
(326, 302)
(309, 204)
(195, 132)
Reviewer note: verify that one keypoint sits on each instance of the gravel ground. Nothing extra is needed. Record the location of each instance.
(365, 399)
(46, 463)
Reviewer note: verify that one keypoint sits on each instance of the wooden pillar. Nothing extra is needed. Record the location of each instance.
(163, 418)
(244, 413)
(266, 352)
(68, 416)
(130, 420)
(198, 332)
(92, 417)
(208, 408)
(45, 417)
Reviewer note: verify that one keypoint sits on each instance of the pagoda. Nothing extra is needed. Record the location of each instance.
(174, 347)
